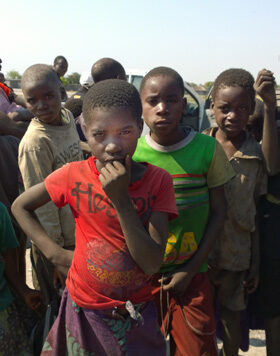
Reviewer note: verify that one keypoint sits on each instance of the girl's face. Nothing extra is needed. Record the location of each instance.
(112, 135)
(232, 107)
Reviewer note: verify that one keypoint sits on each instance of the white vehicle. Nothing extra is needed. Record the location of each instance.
(195, 114)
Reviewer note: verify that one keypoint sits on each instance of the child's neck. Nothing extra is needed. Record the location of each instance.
(230, 144)
(170, 139)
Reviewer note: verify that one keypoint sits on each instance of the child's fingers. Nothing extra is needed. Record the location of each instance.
(165, 279)
(107, 171)
(264, 72)
(168, 286)
(267, 78)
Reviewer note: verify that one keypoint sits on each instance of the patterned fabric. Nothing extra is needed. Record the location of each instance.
(85, 332)
(13, 336)
(196, 164)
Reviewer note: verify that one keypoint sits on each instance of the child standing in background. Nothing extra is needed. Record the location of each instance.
(50, 141)
(234, 261)
(266, 298)
(199, 168)
(121, 210)
(60, 66)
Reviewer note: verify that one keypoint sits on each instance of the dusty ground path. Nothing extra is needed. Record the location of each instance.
(257, 337)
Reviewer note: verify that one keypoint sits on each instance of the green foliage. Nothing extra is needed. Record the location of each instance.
(13, 74)
(64, 81)
(208, 85)
(73, 78)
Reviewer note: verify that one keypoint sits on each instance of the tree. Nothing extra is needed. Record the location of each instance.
(208, 85)
(13, 74)
(73, 78)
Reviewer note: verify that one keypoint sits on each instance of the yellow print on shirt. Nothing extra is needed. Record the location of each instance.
(175, 254)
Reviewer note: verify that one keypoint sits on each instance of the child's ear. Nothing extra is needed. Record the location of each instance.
(211, 105)
(184, 104)
(85, 130)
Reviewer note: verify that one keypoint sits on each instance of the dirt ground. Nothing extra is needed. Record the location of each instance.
(257, 337)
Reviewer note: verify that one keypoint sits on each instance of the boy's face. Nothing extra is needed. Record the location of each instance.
(163, 106)
(43, 99)
(112, 134)
(61, 67)
(232, 107)
(2, 78)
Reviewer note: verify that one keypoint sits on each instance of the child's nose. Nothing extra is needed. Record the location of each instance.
(231, 115)
(112, 147)
(162, 107)
(41, 104)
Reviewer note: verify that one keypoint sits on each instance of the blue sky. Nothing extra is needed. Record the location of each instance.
(199, 38)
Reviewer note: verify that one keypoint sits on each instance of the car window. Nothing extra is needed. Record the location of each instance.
(136, 81)
(191, 116)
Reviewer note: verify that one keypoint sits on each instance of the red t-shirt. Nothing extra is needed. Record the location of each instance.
(103, 273)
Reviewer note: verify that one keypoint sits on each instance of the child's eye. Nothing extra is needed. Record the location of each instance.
(152, 101)
(125, 132)
(173, 101)
(224, 109)
(98, 134)
(243, 108)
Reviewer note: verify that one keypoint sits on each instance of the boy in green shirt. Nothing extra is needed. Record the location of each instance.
(199, 168)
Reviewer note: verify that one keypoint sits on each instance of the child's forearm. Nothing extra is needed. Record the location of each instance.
(270, 140)
(147, 251)
(23, 210)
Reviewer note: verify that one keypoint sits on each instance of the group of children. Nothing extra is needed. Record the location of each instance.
(149, 231)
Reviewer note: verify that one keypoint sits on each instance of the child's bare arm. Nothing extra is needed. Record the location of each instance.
(32, 298)
(10, 127)
(146, 247)
(179, 280)
(23, 209)
(264, 87)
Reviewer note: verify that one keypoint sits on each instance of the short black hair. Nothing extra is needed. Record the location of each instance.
(235, 77)
(39, 72)
(164, 72)
(75, 106)
(59, 58)
(107, 68)
(112, 93)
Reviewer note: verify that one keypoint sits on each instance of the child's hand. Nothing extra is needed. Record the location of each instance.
(252, 281)
(177, 282)
(58, 279)
(264, 87)
(33, 299)
(115, 179)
